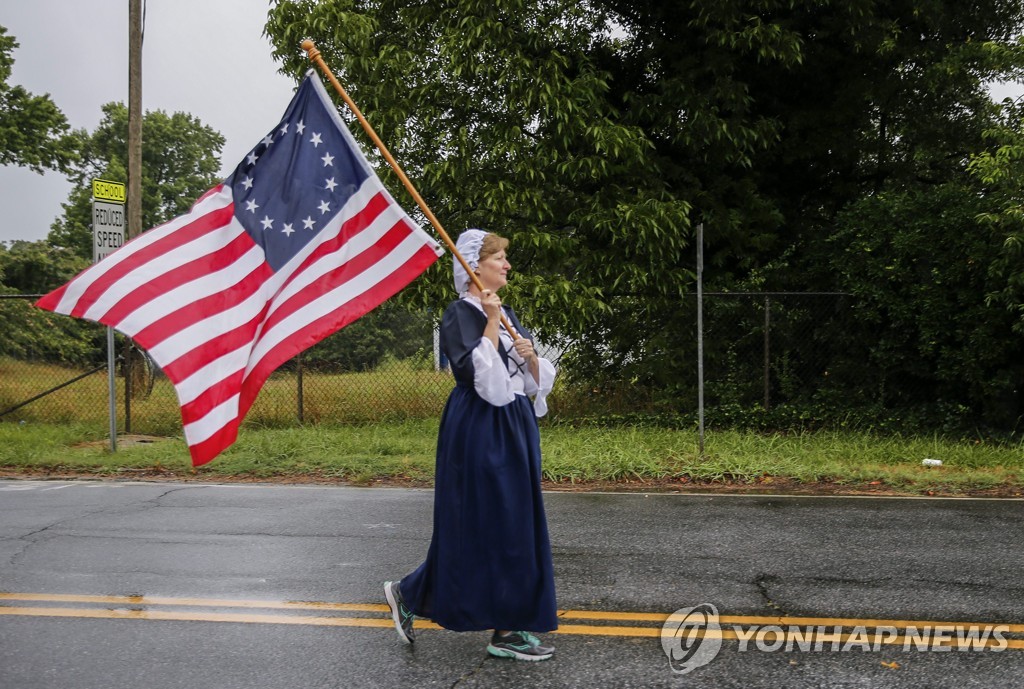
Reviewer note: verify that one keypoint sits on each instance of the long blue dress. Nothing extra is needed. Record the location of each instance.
(489, 562)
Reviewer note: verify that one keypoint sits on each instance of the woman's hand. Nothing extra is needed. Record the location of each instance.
(524, 348)
(492, 305)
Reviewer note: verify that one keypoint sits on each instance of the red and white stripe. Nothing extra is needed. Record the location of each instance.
(198, 295)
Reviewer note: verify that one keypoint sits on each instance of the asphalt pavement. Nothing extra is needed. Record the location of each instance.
(162, 585)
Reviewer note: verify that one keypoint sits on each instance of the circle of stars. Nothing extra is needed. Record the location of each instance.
(309, 223)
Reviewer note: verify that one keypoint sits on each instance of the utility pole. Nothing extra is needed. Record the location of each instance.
(134, 118)
(134, 200)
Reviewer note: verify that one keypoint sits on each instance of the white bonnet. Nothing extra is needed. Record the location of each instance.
(469, 244)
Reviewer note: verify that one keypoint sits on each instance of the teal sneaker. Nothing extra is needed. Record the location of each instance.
(520, 646)
(402, 615)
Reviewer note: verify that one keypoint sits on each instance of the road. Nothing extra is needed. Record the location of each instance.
(114, 585)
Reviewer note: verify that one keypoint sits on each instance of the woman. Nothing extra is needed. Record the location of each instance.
(489, 561)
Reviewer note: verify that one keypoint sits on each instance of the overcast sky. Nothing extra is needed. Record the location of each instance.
(205, 57)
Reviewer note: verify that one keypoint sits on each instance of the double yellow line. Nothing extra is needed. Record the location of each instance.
(584, 622)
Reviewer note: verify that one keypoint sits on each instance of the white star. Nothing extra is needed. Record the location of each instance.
(288, 229)
(267, 222)
(324, 207)
(284, 128)
(308, 223)
(251, 206)
(252, 158)
(247, 183)
(328, 159)
(315, 140)
(267, 140)
(330, 184)
(299, 128)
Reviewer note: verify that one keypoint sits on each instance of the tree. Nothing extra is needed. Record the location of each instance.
(33, 131)
(388, 330)
(37, 267)
(596, 134)
(28, 332)
(180, 161)
(923, 332)
(502, 118)
(1001, 169)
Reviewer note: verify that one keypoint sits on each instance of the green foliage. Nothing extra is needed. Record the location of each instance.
(596, 134)
(180, 161)
(1000, 169)
(33, 334)
(33, 130)
(504, 118)
(924, 331)
(387, 331)
(30, 333)
(37, 267)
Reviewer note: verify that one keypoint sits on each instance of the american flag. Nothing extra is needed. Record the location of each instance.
(298, 242)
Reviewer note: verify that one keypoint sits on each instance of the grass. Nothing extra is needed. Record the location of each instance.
(838, 459)
(403, 452)
(365, 428)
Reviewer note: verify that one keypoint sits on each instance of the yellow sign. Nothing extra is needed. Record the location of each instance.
(105, 190)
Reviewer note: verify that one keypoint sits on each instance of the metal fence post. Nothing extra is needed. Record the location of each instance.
(767, 348)
(298, 363)
(128, 372)
(700, 337)
(112, 389)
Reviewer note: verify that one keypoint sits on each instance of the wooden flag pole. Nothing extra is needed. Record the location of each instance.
(314, 57)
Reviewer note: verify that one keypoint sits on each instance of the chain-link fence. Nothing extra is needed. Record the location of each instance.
(760, 349)
(771, 348)
(53, 370)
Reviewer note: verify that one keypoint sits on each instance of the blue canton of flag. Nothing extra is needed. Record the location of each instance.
(298, 176)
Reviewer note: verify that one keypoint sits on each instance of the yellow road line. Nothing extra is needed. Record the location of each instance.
(601, 615)
(95, 613)
(806, 623)
(856, 622)
(194, 602)
(828, 640)
(778, 620)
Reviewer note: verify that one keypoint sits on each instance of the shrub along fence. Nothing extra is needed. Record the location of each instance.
(769, 348)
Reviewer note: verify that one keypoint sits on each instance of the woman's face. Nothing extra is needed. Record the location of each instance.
(493, 271)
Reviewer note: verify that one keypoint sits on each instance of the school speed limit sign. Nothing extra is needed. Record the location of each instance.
(108, 218)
